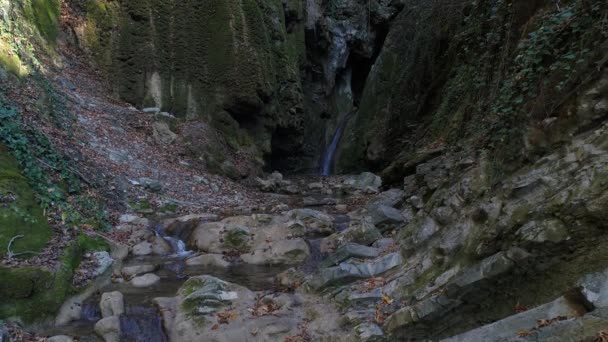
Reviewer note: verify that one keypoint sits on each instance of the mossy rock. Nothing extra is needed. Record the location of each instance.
(237, 238)
(20, 214)
(31, 294)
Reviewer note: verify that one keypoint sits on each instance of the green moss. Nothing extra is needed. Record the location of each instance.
(11, 62)
(19, 212)
(32, 294)
(92, 244)
(190, 286)
(237, 239)
(44, 15)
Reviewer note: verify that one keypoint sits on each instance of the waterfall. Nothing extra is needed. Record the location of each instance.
(344, 109)
(327, 162)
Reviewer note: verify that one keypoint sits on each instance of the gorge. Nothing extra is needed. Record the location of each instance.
(303, 170)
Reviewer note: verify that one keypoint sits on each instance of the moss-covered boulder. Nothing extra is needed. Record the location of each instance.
(20, 214)
(33, 293)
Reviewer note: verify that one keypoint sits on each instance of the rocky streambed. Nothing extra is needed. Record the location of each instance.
(439, 259)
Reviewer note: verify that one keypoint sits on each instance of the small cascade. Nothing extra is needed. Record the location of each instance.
(344, 109)
(178, 246)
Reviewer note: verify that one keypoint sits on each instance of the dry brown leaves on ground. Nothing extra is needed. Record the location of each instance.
(380, 315)
(541, 323)
(602, 336)
(372, 283)
(224, 317)
(263, 307)
(519, 308)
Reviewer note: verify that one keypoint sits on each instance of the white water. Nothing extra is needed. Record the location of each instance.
(344, 109)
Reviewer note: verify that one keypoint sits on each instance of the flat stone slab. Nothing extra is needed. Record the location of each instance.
(351, 250)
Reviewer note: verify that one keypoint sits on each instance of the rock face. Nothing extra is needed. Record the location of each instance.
(245, 93)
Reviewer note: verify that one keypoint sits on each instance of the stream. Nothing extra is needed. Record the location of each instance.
(141, 321)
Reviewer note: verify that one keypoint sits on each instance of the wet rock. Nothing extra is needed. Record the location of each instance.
(58, 338)
(109, 329)
(282, 252)
(142, 249)
(112, 304)
(131, 271)
(160, 246)
(183, 226)
(348, 251)
(146, 280)
(208, 260)
(70, 311)
(162, 134)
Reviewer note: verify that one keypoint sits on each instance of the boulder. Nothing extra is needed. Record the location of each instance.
(282, 252)
(112, 304)
(109, 329)
(146, 280)
(160, 246)
(162, 134)
(135, 270)
(208, 260)
(142, 249)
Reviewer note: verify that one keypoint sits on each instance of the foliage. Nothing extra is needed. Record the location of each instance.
(59, 192)
(500, 82)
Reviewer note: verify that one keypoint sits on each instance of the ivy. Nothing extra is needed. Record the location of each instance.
(61, 194)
